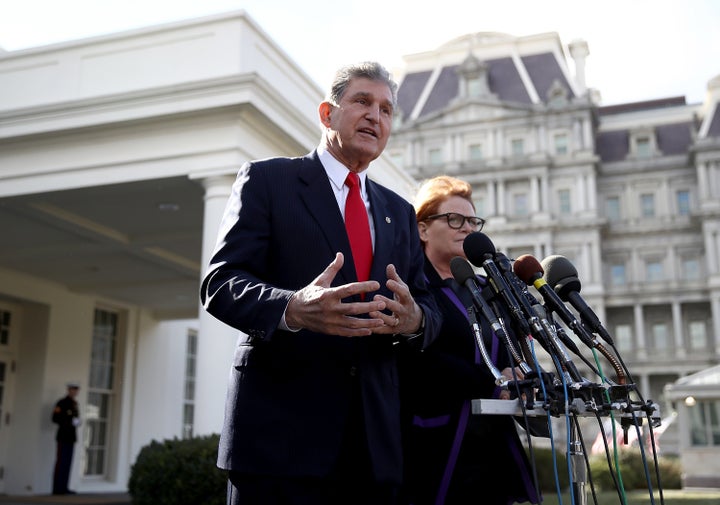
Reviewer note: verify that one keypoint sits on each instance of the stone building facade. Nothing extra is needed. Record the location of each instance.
(629, 193)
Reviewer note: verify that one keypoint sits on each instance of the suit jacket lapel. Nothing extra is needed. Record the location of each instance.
(318, 197)
(384, 230)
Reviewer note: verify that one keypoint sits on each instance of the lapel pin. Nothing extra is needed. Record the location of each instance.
(388, 220)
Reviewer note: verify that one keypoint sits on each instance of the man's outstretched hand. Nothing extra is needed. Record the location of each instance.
(320, 307)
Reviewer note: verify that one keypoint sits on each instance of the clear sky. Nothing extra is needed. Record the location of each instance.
(639, 49)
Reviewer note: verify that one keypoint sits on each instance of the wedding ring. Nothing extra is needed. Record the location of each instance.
(397, 321)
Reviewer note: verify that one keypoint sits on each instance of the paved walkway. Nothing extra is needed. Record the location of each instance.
(70, 499)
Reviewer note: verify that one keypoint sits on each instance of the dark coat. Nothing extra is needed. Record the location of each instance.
(65, 410)
(454, 456)
(289, 393)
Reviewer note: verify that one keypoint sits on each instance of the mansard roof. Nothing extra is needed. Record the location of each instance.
(672, 136)
(612, 145)
(504, 79)
(671, 139)
(644, 105)
(520, 70)
(714, 129)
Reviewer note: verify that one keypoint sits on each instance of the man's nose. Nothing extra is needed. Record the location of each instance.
(373, 113)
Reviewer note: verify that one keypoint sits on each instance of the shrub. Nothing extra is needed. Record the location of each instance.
(631, 467)
(546, 469)
(178, 472)
(633, 471)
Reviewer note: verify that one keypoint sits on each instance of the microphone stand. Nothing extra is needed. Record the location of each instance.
(578, 468)
(472, 317)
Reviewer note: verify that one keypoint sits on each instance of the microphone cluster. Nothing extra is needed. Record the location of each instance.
(519, 318)
(531, 320)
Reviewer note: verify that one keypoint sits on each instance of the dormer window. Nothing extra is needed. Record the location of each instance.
(474, 87)
(557, 95)
(473, 78)
(642, 147)
(643, 143)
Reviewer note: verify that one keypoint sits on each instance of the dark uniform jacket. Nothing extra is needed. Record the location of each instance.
(65, 410)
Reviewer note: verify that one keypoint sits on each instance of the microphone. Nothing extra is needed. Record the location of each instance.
(480, 250)
(545, 332)
(464, 275)
(529, 269)
(562, 276)
(530, 303)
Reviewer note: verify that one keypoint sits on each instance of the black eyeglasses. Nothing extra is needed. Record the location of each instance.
(456, 221)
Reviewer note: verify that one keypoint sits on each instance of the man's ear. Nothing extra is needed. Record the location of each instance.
(324, 110)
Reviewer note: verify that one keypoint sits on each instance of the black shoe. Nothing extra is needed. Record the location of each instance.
(70, 491)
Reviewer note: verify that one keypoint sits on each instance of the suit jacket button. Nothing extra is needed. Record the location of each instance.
(353, 371)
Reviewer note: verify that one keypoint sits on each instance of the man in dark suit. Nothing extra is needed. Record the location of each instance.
(312, 413)
(66, 415)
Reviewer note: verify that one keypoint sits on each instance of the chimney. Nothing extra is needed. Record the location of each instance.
(579, 51)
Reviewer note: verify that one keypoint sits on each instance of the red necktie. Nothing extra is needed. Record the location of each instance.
(358, 228)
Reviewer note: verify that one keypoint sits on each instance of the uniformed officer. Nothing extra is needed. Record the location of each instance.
(67, 416)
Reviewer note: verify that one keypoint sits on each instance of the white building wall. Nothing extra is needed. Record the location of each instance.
(54, 349)
(157, 405)
(55, 344)
(193, 99)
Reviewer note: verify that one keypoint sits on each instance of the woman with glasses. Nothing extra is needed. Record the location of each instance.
(453, 456)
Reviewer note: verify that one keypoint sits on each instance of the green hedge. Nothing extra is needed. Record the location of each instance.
(178, 472)
(183, 472)
(632, 471)
(545, 469)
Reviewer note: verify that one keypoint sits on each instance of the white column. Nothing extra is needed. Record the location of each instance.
(586, 262)
(711, 251)
(595, 265)
(577, 140)
(703, 185)
(449, 149)
(715, 311)
(216, 340)
(672, 266)
(415, 150)
(545, 194)
(500, 193)
(534, 196)
(492, 208)
(587, 134)
(680, 350)
(458, 155)
(665, 199)
(640, 332)
(713, 179)
(636, 267)
(499, 143)
(541, 136)
(581, 194)
(591, 193)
